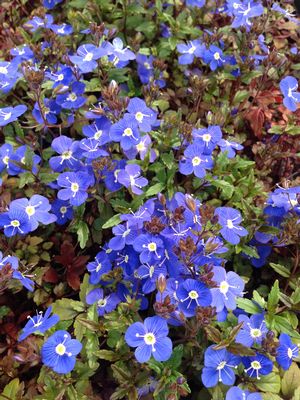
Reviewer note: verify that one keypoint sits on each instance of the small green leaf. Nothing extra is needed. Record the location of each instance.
(11, 390)
(269, 383)
(248, 305)
(113, 221)
(273, 297)
(67, 309)
(281, 270)
(240, 96)
(82, 233)
(157, 188)
(290, 381)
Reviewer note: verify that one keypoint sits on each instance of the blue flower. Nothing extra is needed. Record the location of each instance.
(214, 57)
(98, 130)
(195, 3)
(229, 219)
(97, 268)
(51, 3)
(87, 56)
(119, 55)
(50, 111)
(15, 222)
(243, 12)
(126, 132)
(19, 157)
(192, 294)
(229, 287)
(288, 87)
(105, 304)
(26, 282)
(39, 323)
(286, 351)
(69, 151)
(195, 161)
(123, 235)
(74, 186)
(130, 177)
(6, 150)
(11, 114)
(59, 352)
(36, 22)
(63, 211)
(62, 30)
(63, 76)
(210, 137)
(74, 99)
(235, 393)
(11, 260)
(257, 365)
(218, 365)
(37, 210)
(189, 51)
(149, 338)
(22, 53)
(254, 330)
(149, 273)
(91, 149)
(229, 147)
(149, 247)
(147, 73)
(143, 115)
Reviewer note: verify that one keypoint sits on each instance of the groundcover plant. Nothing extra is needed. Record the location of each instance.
(149, 199)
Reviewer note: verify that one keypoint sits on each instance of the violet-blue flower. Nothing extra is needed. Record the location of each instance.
(286, 351)
(291, 97)
(192, 294)
(130, 177)
(257, 365)
(149, 338)
(11, 114)
(74, 187)
(40, 323)
(229, 219)
(253, 331)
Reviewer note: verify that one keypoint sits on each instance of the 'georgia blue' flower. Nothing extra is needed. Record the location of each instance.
(11, 114)
(235, 393)
(98, 130)
(192, 294)
(209, 136)
(11, 260)
(63, 211)
(97, 268)
(74, 99)
(214, 57)
(149, 247)
(62, 30)
(254, 330)
(26, 282)
(69, 151)
(51, 3)
(130, 177)
(149, 338)
(50, 111)
(195, 161)
(229, 147)
(123, 235)
(105, 304)
(40, 323)
(195, 3)
(87, 56)
(37, 210)
(143, 115)
(288, 87)
(189, 51)
(229, 287)
(218, 365)
(229, 219)
(59, 352)
(244, 11)
(257, 365)
(15, 222)
(126, 132)
(286, 351)
(74, 186)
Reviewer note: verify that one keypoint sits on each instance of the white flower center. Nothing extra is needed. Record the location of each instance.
(152, 246)
(224, 287)
(256, 365)
(149, 338)
(217, 56)
(290, 353)
(74, 187)
(88, 57)
(196, 161)
(139, 116)
(63, 209)
(60, 349)
(3, 70)
(30, 210)
(15, 223)
(98, 135)
(127, 132)
(230, 224)
(193, 295)
(60, 77)
(206, 137)
(255, 333)
(66, 155)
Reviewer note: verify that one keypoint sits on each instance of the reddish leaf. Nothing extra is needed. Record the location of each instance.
(256, 118)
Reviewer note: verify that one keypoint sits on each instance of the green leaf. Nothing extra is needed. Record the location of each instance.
(269, 383)
(168, 159)
(108, 355)
(47, 177)
(227, 189)
(290, 380)
(273, 297)
(113, 221)
(158, 187)
(82, 233)
(281, 270)
(248, 305)
(67, 309)
(240, 96)
(175, 361)
(296, 394)
(11, 390)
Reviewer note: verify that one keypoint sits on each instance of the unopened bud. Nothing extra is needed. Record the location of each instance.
(161, 283)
